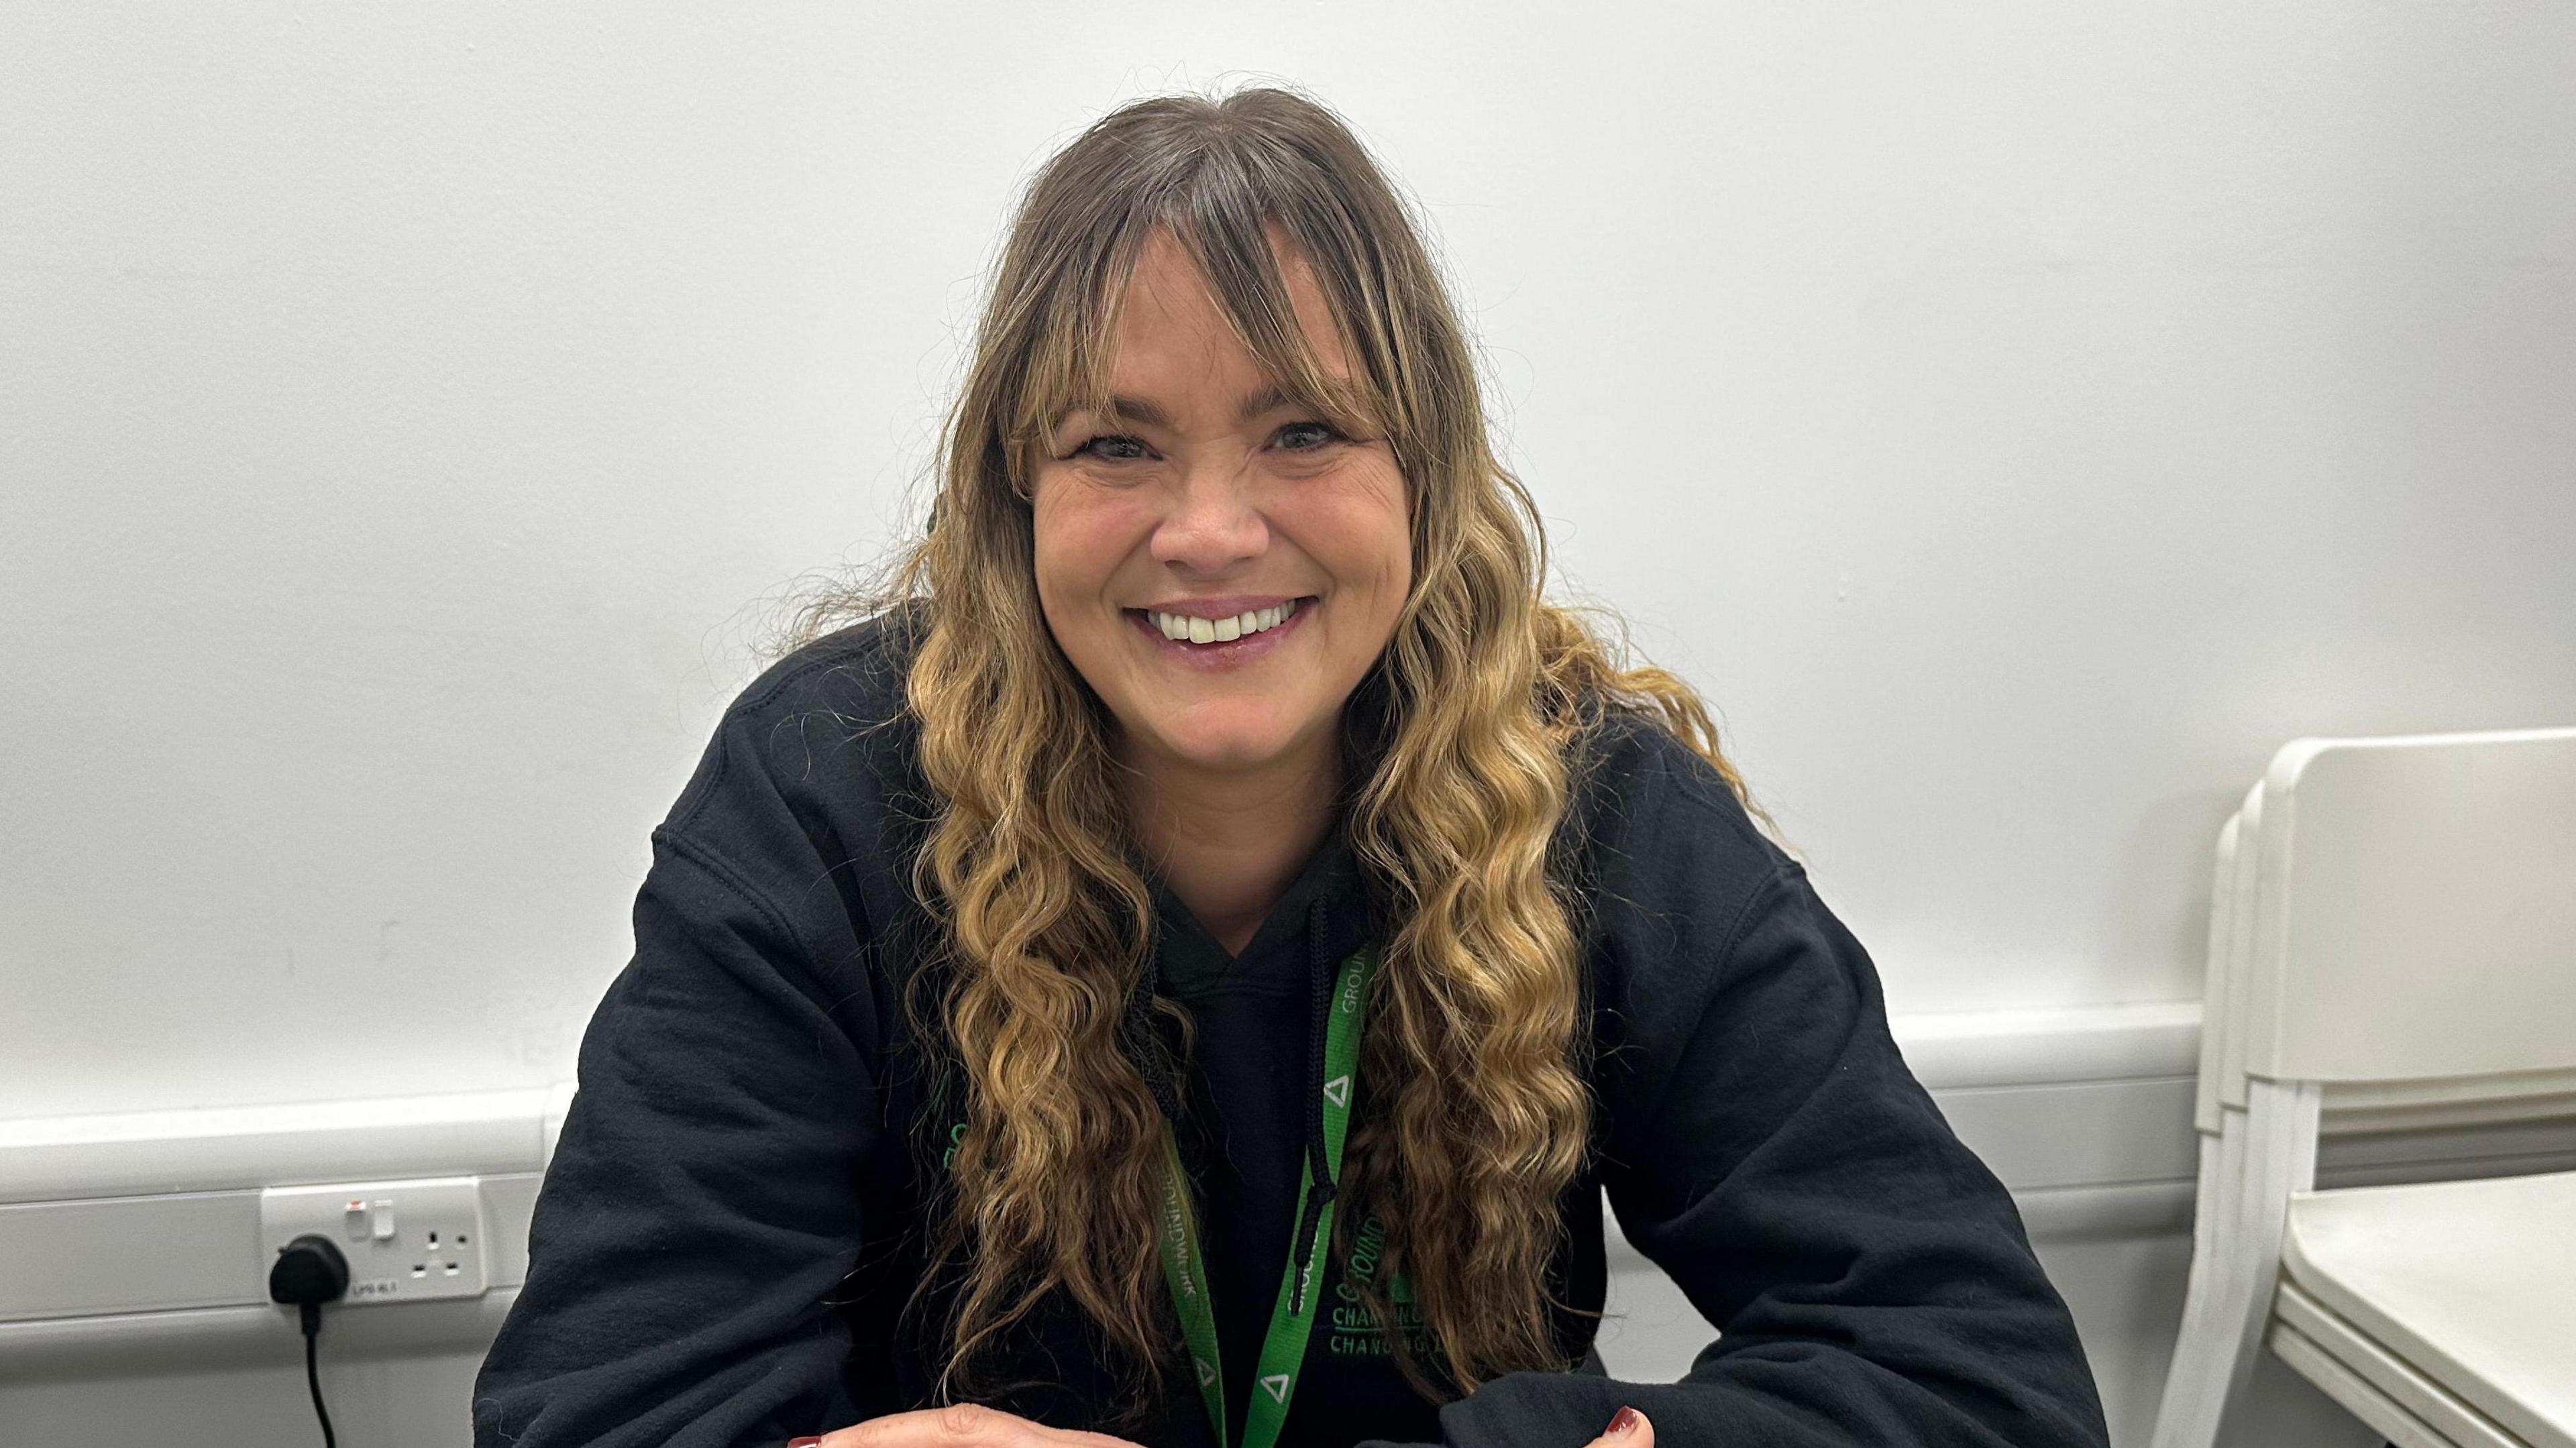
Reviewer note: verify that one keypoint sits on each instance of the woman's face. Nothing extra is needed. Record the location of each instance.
(1187, 512)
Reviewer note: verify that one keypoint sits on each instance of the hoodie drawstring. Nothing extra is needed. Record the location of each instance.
(1319, 1174)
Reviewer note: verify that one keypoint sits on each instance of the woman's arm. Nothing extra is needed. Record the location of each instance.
(1766, 1145)
(702, 1203)
(1871, 1279)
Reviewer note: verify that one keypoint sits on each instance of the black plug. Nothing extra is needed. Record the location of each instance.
(310, 1271)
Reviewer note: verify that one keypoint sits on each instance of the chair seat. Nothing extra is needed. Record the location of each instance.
(2471, 1282)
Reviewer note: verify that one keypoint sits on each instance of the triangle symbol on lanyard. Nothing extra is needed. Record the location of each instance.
(1338, 1090)
(1205, 1372)
(1276, 1385)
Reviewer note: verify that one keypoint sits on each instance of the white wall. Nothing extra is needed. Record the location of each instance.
(2020, 417)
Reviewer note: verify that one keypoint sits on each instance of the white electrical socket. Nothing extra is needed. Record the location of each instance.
(406, 1241)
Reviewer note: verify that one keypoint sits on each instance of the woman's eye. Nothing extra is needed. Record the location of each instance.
(1330, 435)
(1119, 439)
(1087, 447)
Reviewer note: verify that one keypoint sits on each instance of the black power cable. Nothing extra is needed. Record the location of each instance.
(310, 1271)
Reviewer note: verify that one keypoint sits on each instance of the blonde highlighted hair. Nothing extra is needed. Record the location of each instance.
(1463, 731)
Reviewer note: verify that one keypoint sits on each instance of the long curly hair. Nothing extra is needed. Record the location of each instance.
(1473, 1064)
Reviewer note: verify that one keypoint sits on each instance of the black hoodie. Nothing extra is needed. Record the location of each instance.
(734, 1214)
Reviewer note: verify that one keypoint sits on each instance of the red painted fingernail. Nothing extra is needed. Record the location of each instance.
(805, 1442)
(1625, 1423)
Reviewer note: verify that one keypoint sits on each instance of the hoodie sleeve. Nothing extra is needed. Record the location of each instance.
(702, 1204)
(1767, 1147)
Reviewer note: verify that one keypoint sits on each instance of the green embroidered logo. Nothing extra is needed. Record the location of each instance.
(1357, 1330)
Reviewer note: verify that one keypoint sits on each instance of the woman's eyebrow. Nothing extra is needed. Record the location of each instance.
(1266, 400)
(1139, 410)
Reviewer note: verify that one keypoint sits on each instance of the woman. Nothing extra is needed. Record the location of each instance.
(1183, 963)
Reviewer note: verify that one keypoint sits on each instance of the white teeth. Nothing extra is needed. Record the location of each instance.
(1221, 630)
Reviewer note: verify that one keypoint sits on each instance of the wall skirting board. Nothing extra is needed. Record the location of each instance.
(130, 1238)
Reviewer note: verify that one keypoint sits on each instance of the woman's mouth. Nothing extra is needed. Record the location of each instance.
(1220, 642)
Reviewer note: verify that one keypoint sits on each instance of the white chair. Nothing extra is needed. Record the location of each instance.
(2392, 945)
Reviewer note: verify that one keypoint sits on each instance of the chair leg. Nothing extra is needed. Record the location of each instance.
(2195, 1385)
(2280, 1130)
(2262, 1154)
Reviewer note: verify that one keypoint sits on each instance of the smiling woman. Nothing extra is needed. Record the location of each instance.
(1005, 998)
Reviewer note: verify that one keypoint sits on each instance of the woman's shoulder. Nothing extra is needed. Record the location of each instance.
(820, 729)
(856, 671)
(1686, 903)
(1630, 766)
(1662, 832)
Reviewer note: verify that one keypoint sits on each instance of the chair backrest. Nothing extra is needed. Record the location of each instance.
(2412, 916)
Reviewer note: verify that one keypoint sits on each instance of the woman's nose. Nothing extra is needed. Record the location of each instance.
(1214, 521)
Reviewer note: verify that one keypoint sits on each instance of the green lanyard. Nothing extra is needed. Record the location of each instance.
(1283, 1348)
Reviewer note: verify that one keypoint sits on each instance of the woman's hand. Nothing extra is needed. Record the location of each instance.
(968, 1425)
(1628, 1429)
